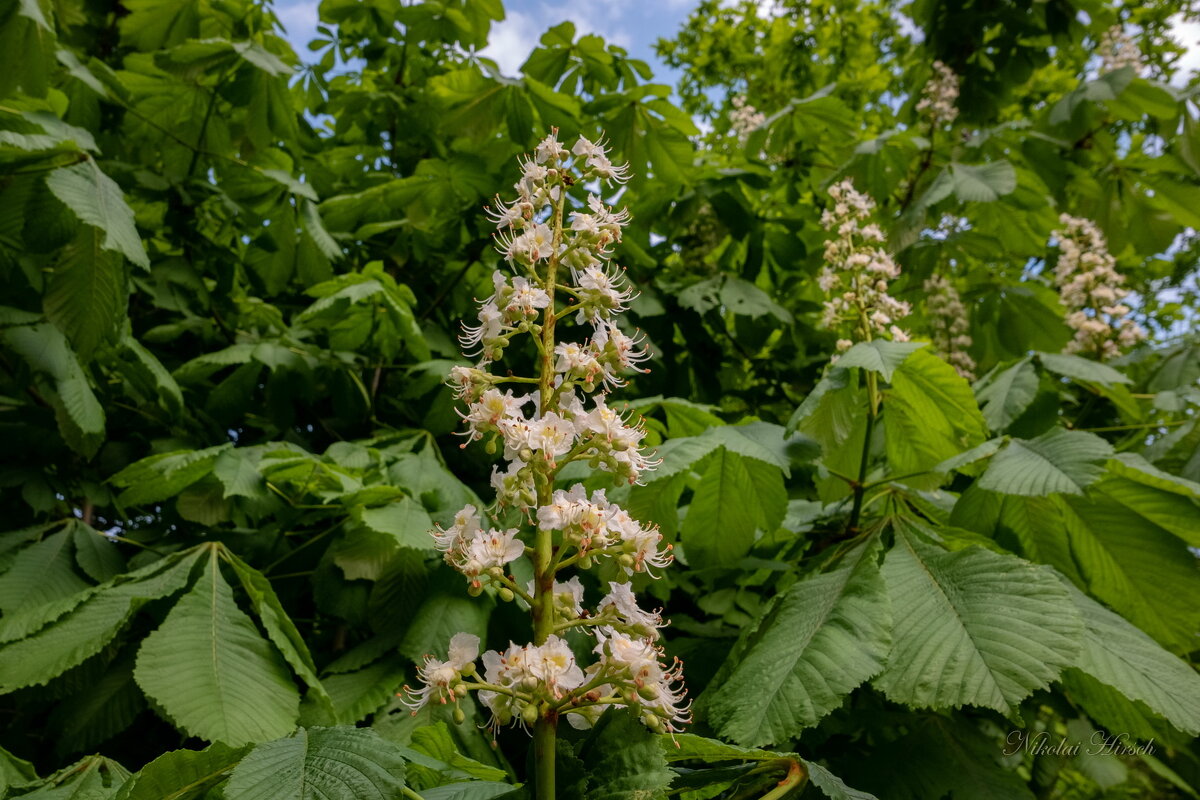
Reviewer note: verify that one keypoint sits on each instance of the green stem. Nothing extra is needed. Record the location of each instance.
(544, 622)
(407, 792)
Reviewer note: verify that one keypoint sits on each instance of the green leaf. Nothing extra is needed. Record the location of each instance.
(1081, 369)
(82, 633)
(85, 294)
(238, 475)
(357, 694)
(625, 760)
(320, 762)
(41, 573)
(1058, 461)
(1136, 567)
(14, 772)
(102, 710)
(97, 200)
(781, 683)
(211, 672)
(90, 778)
(1005, 396)
(97, 555)
(80, 415)
(442, 615)
(735, 498)
(972, 627)
(879, 355)
(279, 626)
(930, 415)
(183, 774)
(159, 477)
(983, 183)
(1120, 656)
(404, 521)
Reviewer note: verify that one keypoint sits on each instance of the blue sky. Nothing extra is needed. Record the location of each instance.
(632, 24)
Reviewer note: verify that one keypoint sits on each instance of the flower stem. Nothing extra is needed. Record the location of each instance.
(544, 621)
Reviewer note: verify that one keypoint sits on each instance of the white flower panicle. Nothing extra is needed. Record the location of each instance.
(939, 96)
(1118, 50)
(857, 271)
(539, 425)
(744, 118)
(948, 324)
(1090, 288)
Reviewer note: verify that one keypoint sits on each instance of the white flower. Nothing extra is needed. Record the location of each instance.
(554, 665)
(595, 157)
(939, 95)
(549, 149)
(1118, 50)
(492, 411)
(488, 549)
(621, 598)
(552, 435)
(451, 540)
(437, 676)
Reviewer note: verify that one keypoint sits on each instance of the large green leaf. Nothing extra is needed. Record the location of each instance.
(1005, 396)
(85, 294)
(930, 415)
(1057, 462)
(985, 183)
(1119, 655)
(879, 355)
(973, 627)
(52, 645)
(624, 759)
(183, 774)
(211, 671)
(80, 416)
(320, 763)
(1136, 567)
(734, 499)
(99, 712)
(41, 573)
(781, 683)
(97, 200)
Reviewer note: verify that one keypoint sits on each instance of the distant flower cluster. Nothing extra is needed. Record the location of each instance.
(949, 324)
(744, 118)
(564, 418)
(857, 272)
(1091, 290)
(1118, 50)
(939, 96)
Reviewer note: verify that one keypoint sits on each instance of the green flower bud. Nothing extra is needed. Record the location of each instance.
(649, 692)
(627, 561)
(468, 668)
(461, 690)
(585, 562)
(506, 594)
(474, 589)
(529, 714)
(652, 722)
(459, 716)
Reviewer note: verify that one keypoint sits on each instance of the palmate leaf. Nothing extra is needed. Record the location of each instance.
(97, 200)
(83, 629)
(90, 778)
(1121, 656)
(211, 671)
(320, 763)
(972, 627)
(782, 682)
(102, 710)
(1058, 461)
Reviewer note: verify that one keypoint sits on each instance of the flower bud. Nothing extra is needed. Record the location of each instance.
(490, 447)
(648, 692)
(459, 716)
(461, 690)
(506, 595)
(585, 562)
(626, 561)
(652, 721)
(529, 683)
(468, 668)
(529, 714)
(474, 589)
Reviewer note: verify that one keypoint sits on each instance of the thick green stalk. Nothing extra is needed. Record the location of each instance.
(544, 618)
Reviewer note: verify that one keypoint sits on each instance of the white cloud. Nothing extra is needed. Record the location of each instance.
(1188, 35)
(300, 18)
(512, 40)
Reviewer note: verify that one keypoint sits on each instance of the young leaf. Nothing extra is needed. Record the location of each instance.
(212, 673)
